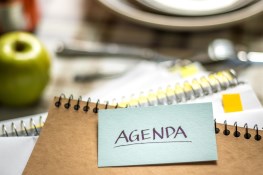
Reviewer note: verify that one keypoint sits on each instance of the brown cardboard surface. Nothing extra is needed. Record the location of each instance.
(68, 145)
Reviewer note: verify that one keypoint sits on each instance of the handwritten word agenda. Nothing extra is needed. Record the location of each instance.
(150, 136)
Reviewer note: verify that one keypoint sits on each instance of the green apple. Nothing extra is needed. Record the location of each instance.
(24, 69)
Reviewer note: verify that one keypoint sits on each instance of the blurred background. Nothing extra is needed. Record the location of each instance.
(178, 29)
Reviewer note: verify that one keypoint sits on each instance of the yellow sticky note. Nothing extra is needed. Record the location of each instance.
(232, 102)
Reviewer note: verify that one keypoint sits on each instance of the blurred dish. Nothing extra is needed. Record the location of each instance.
(132, 12)
(194, 7)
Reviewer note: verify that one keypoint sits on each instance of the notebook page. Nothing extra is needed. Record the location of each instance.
(142, 78)
(15, 152)
(248, 98)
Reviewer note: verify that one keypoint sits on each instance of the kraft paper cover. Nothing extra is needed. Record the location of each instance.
(68, 145)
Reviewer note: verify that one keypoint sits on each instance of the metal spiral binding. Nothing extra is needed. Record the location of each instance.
(197, 88)
(86, 108)
(32, 130)
(77, 107)
(35, 130)
(236, 133)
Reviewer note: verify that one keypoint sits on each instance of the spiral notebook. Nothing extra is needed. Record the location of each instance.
(68, 145)
(201, 88)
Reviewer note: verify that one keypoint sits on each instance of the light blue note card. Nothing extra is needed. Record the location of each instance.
(156, 135)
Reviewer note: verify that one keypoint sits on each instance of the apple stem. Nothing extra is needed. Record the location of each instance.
(20, 46)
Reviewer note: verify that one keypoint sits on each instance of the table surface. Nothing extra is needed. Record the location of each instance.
(89, 23)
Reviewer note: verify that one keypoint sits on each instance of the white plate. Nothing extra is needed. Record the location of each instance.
(130, 11)
(195, 7)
